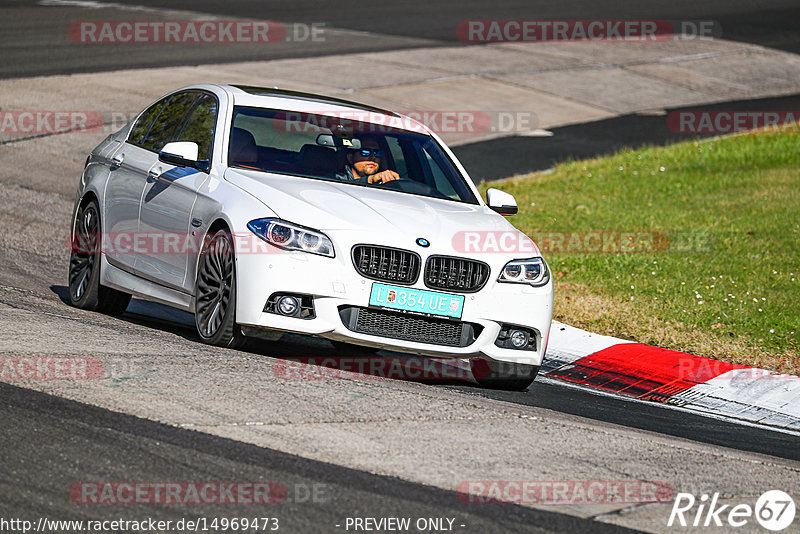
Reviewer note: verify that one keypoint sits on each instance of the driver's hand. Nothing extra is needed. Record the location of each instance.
(383, 177)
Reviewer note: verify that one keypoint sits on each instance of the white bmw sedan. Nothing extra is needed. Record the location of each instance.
(264, 211)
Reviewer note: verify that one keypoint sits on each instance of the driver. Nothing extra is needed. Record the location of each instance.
(363, 164)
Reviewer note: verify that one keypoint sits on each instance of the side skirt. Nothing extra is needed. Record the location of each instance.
(117, 278)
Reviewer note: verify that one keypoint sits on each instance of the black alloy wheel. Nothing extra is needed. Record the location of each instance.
(215, 293)
(85, 290)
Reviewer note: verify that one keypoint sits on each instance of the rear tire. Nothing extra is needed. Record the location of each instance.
(503, 375)
(85, 290)
(215, 293)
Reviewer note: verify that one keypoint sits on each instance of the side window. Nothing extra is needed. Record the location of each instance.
(199, 127)
(397, 155)
(284, 132)
(142, 126)
(168, 121)
(441, 180)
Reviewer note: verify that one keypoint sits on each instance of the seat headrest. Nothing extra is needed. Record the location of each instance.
(318, 159)
(243, 147)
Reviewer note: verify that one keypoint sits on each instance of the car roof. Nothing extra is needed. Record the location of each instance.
(285, 99)
(310, 97)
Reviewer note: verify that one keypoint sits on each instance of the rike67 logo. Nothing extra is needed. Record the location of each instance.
(774, 510)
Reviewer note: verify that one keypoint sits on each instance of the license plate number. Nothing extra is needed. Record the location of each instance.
(416, 300)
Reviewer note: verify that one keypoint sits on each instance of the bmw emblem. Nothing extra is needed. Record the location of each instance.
(421, 241)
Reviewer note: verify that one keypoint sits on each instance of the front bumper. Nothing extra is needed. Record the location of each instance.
(335, 285)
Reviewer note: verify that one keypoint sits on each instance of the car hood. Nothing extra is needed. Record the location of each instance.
(330, 206)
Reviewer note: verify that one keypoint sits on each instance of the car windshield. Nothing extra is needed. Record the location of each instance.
(346, 150)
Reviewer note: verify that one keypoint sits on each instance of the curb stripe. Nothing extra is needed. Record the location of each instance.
(642, 371)
(696, 383)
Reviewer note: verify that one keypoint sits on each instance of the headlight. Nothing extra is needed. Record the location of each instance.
(292, 236)
(533, 271)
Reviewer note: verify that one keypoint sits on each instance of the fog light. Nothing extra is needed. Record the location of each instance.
(288, 305)
(518, 339)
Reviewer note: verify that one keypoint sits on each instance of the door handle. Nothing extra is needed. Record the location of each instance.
(152, 176)
(116, 161)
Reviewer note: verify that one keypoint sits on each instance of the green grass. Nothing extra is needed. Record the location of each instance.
(724, 279)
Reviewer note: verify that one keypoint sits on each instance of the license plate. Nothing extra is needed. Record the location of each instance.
(416, 300)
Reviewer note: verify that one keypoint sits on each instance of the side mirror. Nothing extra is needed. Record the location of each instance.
(501, 202)
(183, 154)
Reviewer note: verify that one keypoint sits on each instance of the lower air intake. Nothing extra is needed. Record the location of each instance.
(409, 327)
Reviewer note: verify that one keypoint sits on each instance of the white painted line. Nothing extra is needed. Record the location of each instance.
(568, 344)
(709, 414)
(89, 4)
(753, 394)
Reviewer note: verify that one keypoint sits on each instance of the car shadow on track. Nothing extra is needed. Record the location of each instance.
(303, 357)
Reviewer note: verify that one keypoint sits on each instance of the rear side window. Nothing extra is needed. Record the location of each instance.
(169, 121)
(145, 122)
(199, 127)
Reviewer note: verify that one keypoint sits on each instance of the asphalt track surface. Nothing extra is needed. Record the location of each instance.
(547, 394)
(34, 38)
(49, 442)
(550, 394)
(71, 442)
(507, 156)
(34, 42)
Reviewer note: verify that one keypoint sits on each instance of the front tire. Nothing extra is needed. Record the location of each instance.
(215, 293)
(85, 290)
(503, 375)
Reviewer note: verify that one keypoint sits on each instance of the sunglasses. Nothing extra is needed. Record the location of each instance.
(366, 152)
